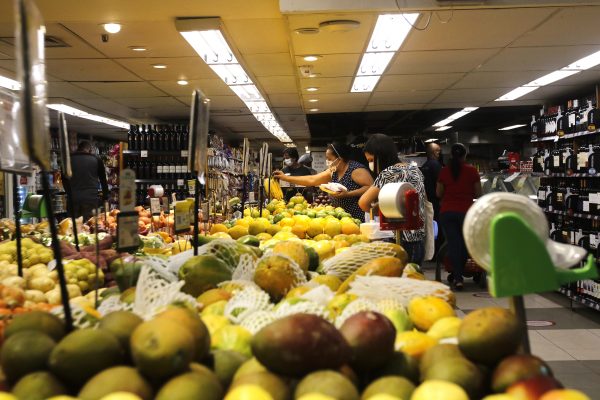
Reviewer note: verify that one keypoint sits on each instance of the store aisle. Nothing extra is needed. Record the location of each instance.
(568, 339)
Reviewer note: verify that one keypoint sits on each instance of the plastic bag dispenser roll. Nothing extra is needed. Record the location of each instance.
(391, 199)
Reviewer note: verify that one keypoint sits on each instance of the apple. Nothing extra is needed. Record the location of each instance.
(517, 368)
(533, 388)
(564, 394)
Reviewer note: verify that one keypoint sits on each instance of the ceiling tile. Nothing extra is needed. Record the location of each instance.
(519, 102)
(210, 87)
(89, 70)
(355, 99)
(167, 113)
(399, 97)
(581, 23)
(536, 58)
(333, 65)
(268, 35)
(277, 64)
(475, 96)
(69, 91)
(389, 83)
(101, 105)
(339, 108)
(284, 100)
(505, 79)
(220, 102)
(149, 102)
(326, 85)
(278, 84)
(325, 42)
(449, 105)
(8, 68)
(438, 61)
(287, 110)
(189, 68)
(474, 29)
(121, 89)
(394, 107)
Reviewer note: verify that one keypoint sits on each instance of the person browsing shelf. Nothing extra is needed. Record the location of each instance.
(340, 169)
(293, 168)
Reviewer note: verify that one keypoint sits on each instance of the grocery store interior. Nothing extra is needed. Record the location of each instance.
(192, 105)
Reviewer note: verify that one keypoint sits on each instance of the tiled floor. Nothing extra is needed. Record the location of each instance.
(570, 343)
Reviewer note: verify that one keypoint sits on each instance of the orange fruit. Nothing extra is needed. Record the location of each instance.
(425, 311)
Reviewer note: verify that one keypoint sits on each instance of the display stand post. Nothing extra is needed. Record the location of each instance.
(517, 306)
(96, 212)
(63, 138)
(196, 218)
(17, 212)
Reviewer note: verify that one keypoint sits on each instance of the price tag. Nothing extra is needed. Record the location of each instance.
(128, 239)
(184, 153)
(182, 216)
(165, 205)
(144, 153)
(127, 190)
(155, 206)
(192, 187)
(179, 182)
(586, 206)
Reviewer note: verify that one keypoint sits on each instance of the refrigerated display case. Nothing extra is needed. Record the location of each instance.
(526, 184)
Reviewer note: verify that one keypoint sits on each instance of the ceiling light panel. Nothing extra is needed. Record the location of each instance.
(454, 117)
(388, 35)
(83, 114)
(443, 128)
(205, 37)
(585, 63)
(551, 77)
(516, 93)
(9, 83)
(511, 127)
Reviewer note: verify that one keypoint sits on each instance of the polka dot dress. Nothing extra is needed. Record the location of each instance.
(350, 204)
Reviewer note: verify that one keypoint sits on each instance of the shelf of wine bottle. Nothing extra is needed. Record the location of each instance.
(554, 138)
(159, 138)
(158, 153)
(159, 181)
(573, 214)
(574, 175)
(592, 302)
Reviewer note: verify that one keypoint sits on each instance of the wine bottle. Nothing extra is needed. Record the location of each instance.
(185, 139)
(131, 138)
(159, 168)
(561, 122)
(584, 116)
(172, 169)
(541, 125)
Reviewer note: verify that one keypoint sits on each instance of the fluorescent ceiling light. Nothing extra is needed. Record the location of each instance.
(574, 68)
(112, 27)
(585, 63)
(211, 46)
(159, 66)
(551, 78)
(9, 83)
(312, 89)
(516, 93)
(443, 128)
(311, 58)
(138, 48)
(508, 128)
(313, 100)
(455, 116)
(431, 140)
(364, 83)
(313, 110)
(232, 74)
(390, 32)
(83, 114)
(206, 38)
(374, 63)
(182, 82)
(292, 144)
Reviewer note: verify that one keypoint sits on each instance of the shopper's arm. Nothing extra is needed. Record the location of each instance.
(102, 179)
(362, 177)
(368, 198)
(306, 180)
(439, 190)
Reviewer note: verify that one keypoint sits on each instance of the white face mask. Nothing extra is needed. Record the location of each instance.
(330, 163)
(372, 165)
(288, 162)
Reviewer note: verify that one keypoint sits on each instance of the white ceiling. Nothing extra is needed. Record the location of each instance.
(459, 58)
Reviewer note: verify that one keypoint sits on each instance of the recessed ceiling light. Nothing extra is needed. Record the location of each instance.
(311, 58)
(159, 66)
(112, 27)
(443, 128)
(314, 75)
(454, 117)
(313, 100)
(339, 25)
(84, 114)
(182, 82)
(138, 48)
(313, 110)
(312, 89)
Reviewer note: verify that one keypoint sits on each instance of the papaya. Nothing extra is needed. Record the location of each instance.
(202, 273)
(249, 240)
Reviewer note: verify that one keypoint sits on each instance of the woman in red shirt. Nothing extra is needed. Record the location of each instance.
(458, 184)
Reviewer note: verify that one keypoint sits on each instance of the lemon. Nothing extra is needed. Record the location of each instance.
(221, 235)
(383, 396)
(499, 397)
(331, 281)
(414, 343)
(121, 396)
(218, 228)
(315, 396)
(214, 322)
(248, 392)
(443, 328)
(439, 390)
(425, 311)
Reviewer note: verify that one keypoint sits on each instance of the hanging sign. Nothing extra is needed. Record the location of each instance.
(127, 190)
(128, 239)
(155, 206)
(182, 216)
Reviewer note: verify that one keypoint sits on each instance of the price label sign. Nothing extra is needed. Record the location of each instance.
(127, 190)
(182, 216)
(128, 239)
(144, 154)
(155, 206)
(165, 205)
(184, 153)
(192, 187)
(179, 182)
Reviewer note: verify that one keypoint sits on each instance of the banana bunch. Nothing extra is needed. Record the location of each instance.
(276, 192)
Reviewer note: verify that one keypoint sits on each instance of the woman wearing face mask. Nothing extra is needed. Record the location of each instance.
(340, 169)
(293, 168)
(382, 154)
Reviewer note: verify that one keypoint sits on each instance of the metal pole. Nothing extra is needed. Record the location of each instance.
(62, 281)
(196, 208)
(72, 212)
(17, 212)
(517, 306)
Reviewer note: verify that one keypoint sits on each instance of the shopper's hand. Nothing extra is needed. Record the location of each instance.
(279, 175)
(339, 195)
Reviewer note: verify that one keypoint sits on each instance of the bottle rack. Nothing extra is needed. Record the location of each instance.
(159, 156)
(568, 164)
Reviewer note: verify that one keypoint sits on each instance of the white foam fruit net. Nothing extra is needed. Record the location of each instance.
(81, 319)
(347, 262)
(401, 289)
(362, 304)
(246, 302)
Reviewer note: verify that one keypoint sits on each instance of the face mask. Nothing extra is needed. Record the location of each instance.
(288, 162)
(330, 163)
(372, 166)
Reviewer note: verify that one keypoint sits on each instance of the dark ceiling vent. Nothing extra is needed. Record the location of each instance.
(49, 41)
